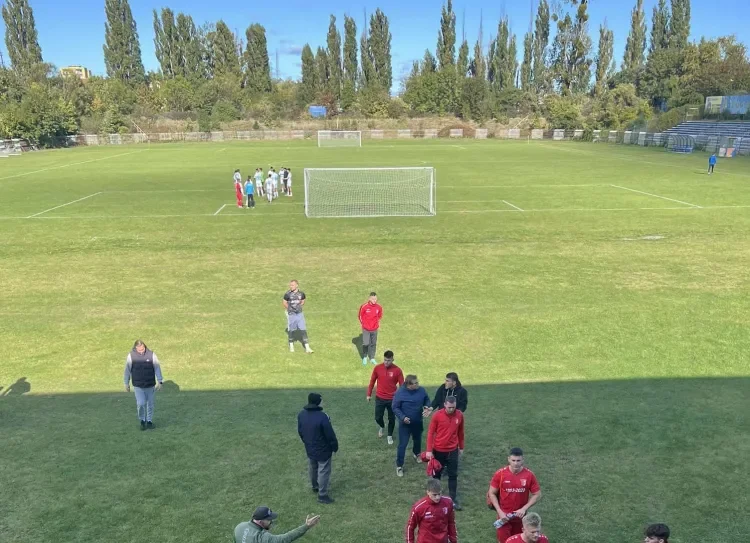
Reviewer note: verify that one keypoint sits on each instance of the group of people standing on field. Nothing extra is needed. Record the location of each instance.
(269, 189)
(512, 491)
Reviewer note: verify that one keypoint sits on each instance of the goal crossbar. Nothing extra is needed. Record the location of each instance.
(370, 192)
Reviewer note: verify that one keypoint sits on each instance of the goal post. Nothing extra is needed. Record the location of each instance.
(339, 138)
(370, 192)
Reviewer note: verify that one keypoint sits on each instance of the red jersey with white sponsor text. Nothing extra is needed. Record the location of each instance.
(370, 315)
(515, 488)
(518, 539)
(433, 522)
(389, 379)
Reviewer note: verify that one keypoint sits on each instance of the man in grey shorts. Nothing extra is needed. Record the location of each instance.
(294, 299)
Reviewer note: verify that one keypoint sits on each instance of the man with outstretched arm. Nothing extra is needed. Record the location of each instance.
(258, 529)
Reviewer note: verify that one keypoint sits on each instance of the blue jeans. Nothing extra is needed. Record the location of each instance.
(405, 431)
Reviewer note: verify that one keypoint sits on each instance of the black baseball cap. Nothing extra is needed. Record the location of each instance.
(264, 513)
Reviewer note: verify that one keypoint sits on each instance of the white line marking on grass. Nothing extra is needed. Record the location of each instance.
(655, 195)
(219, 210)
(62, 205)
(72, 164)
(520, 186)
(220, 150)
(511, 205)
(460, 147)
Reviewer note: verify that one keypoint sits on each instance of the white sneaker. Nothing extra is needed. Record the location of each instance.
(417, 459)
(308, 349)
(291, 347)
(390, 440)
(400, 472)
(380, 432)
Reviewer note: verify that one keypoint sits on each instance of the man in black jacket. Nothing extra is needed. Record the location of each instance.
(316, 432)
(452, 387)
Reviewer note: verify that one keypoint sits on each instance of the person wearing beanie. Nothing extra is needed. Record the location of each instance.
(258, 529)
(316, 432)
(452, 387)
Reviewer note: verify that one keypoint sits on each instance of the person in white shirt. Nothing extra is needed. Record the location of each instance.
(259, 182)
(288, 182)
(275, 177)
(269, 188)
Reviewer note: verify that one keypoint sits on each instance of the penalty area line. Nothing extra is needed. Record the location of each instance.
(511, 205)
(72, 164)
(219, 210)
(63, 205)
(655, 196)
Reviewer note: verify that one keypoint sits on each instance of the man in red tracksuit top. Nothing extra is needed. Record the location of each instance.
(370, 314)
(432, 517)
(389, 377)
(445, 442)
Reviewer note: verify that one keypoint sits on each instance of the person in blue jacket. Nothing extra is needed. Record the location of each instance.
(711, 163)
(316, 432)
(410, 404)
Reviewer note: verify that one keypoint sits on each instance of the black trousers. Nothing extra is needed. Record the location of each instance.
(710, 168)
(449, 460)
(381, 406)
(250, 201)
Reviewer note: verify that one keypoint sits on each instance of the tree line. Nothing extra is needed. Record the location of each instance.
(211, 75)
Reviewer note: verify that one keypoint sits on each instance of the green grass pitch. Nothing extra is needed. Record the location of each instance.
(603, 328)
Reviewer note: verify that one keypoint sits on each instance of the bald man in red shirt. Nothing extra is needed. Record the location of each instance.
(513, 490)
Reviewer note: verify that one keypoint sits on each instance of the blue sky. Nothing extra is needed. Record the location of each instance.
(73, 32)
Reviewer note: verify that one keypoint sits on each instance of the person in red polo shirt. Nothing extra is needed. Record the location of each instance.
(445, 441)
(370, 314)
(513, 490)
(432, 518)
(532, 531)
(388, 377)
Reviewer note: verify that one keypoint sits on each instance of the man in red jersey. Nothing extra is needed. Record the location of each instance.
(445, 441)
(532, 531)
(513, 490)
(388, 377)
(432, 517)
(370, 314)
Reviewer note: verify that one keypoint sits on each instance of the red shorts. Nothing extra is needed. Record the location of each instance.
(512, 527)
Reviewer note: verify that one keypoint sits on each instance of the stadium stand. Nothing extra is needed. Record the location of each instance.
(708, 134)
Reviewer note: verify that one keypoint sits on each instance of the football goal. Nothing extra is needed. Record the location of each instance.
(369, 192)
(339, 138)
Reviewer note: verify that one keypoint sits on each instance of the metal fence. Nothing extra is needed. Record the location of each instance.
(707, 143)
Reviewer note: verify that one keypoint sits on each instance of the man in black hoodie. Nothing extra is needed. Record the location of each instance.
(452, 387)
(316, 432)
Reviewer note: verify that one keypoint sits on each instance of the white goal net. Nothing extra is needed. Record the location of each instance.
(339, 138)
(369, 192)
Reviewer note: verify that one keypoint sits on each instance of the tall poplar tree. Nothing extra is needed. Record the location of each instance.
(122, 50)
(21, 38)
(679, 27)
(257, 65)
(333, 52)
(349, 87)
(635, 47)
(446, 44)
(604, 58)
(659, 28)
(540, 70)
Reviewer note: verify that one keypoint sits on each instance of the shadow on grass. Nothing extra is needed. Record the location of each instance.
(22, 386)
(611, 456)
(359, 345)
